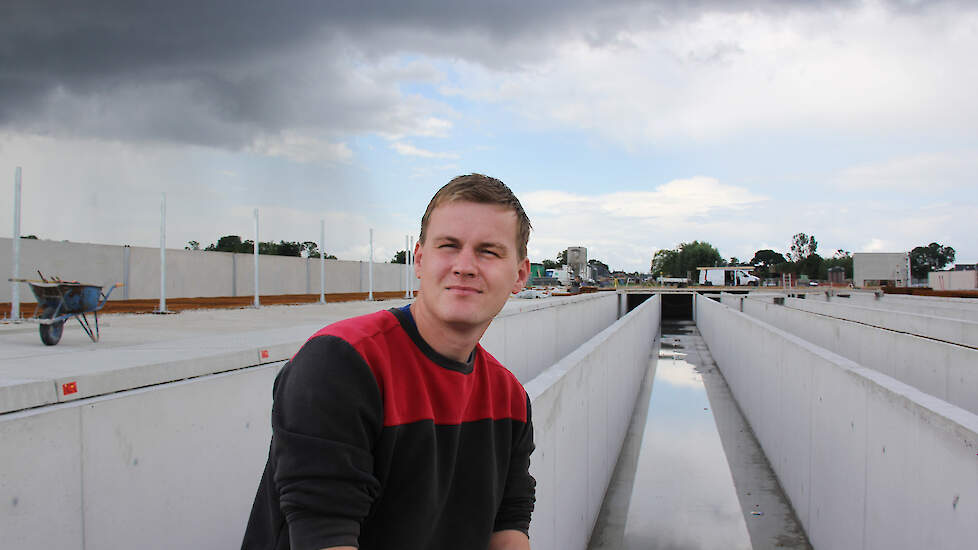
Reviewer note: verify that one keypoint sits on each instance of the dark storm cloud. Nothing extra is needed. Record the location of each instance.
(221, 73)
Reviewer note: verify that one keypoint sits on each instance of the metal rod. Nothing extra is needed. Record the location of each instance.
(370, 272)
(15, 286)
(322, 261)
(162, 308)
(407, 267)
(257, 303)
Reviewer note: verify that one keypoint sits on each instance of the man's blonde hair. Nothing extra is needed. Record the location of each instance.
(481, 189)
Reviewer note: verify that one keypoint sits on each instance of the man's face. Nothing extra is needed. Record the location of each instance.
(469, 264)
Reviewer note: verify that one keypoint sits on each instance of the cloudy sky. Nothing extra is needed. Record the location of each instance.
(623, 126)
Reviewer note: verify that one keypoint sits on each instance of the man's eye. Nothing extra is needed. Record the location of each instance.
(447, 245)
(492, 252)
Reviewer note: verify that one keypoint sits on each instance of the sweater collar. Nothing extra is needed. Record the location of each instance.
(406, 319)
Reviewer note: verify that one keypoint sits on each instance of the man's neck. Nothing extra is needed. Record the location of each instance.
(453, 341)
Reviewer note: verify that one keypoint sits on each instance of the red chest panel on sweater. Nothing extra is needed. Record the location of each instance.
(415, 388)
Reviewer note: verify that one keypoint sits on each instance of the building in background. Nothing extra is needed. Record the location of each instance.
(955, 279)
(880, 269)
(837, 275)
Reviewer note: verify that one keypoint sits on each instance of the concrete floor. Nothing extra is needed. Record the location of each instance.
(691, 475)
(138, 350)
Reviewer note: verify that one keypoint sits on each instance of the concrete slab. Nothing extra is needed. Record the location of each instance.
(141, 350)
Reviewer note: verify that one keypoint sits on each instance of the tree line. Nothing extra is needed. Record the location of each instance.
(802, 259)
(233, 243)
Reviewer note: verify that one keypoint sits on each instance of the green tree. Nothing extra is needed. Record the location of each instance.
(933, 257)
(287, 248)
(229, 243)
(562, 258)
(811, 266)
(802, 246)
(841, 258)
(192, 245)
(765, 260)
(697, 254)
(310, 249)
(550, 264)
(400, 257)
(665, 263)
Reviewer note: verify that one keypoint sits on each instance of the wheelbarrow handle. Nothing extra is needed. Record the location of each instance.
(22, 280)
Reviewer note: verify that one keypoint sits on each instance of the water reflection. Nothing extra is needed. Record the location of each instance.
(683, 496)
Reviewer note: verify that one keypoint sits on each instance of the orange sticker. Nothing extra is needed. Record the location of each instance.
(264, 354)
(69, 388)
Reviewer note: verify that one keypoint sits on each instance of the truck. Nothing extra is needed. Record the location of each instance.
(728, 276)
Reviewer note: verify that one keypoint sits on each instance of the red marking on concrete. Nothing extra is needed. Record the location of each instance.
(69, 388)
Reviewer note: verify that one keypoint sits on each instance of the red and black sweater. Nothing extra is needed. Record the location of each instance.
(380, 442)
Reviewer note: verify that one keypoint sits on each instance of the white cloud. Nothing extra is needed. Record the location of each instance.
(300, 147)
(625, 228)
(410, 150)
(876, 245)
(863, 70)
(921, 172)
(677, 372)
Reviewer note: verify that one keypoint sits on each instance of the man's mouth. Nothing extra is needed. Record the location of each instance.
(464, 290)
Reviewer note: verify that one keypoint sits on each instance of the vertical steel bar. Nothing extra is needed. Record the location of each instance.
(162, 308)
(126, 262)
(370, 271)
(322, 261)
(14, 285)
(257, 303)
(407, 267)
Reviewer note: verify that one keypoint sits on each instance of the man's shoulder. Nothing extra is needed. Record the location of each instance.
(499, 372)
(360, 328)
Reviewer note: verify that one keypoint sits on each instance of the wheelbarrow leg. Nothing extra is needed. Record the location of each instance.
(83, 321)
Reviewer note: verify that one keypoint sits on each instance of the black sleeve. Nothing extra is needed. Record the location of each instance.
(520, 493)
(326, 415)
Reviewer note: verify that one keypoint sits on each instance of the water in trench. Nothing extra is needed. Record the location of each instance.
(691, 475)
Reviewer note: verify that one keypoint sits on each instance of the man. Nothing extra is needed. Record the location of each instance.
(396, 430)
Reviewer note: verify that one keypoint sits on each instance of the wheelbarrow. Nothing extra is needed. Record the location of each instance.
(58, 301)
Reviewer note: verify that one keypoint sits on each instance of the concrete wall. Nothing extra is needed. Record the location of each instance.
(537, 334)
(176, 464)
(867, 461)
(876, 266)
(931, 326)
(954, 308)
(946, 371)
(173, 466)
(953, 280)
(581, 409)
(189, 273)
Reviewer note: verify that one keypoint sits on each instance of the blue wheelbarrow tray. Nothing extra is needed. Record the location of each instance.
(58, 301)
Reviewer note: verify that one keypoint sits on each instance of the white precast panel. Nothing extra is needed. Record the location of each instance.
(578, 437)
(840, 439)
(944, 370)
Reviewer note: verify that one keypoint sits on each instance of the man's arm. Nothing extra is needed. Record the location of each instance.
(509, 539)
(325, 416)
(513, 516)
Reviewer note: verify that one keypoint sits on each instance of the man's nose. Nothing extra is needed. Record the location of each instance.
(464, 262)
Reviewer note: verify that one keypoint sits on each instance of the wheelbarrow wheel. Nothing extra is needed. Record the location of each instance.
(51, 334)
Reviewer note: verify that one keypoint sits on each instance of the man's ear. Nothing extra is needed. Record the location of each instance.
(523, 275)
(417, 259)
